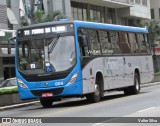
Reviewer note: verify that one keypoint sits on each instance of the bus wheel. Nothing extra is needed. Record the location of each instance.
(94, 97)
(133, 89)
(46, 102)
(136, 88)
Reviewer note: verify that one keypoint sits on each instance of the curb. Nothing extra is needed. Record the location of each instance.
(31, 103)
(150, 84)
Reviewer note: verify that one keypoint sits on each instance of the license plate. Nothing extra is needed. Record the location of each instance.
(49, 94)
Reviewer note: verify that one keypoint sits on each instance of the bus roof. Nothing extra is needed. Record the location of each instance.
(46, 24)
(86, 24)
(110, 27)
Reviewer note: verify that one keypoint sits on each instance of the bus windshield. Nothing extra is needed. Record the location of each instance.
(46, 55)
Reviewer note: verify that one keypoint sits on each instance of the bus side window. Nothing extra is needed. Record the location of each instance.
(142, 43)
(104, 41)
(114, 39)
(93, 42)
(133, 43)
(147, 43)
(83, 49)
(124, 44)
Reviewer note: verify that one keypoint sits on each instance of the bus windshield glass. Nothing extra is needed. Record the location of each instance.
(46, 51)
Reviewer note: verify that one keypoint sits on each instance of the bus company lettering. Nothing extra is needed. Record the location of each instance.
(96, 52)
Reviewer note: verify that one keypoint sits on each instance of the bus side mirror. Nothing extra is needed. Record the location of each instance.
(11, 42)
(82, 40)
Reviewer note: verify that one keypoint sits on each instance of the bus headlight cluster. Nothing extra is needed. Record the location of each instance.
(73, 78)
(21, 84)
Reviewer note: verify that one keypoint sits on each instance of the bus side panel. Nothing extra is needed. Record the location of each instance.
(89, 74)
(131, 63)
(147, 74)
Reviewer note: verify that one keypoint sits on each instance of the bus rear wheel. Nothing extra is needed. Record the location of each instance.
(133, 89)
(46, 102)
(94, 97)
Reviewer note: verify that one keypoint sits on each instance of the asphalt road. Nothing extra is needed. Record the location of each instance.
(113, 105)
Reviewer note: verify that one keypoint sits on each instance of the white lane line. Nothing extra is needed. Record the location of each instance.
(147, 109)
(98, 123)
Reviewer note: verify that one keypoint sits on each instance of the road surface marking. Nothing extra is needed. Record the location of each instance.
(147, 109)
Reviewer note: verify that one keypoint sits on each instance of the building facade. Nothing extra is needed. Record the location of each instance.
(124, 12)
(155, 15)
(155, 9)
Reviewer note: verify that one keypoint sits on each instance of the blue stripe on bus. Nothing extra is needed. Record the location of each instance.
(110, 27)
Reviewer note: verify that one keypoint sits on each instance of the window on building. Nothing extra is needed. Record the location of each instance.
(144, 2)
(138, 1)
(152, 14)
(132, 1)
(8, 3)
(96, 13)
(111, 16)
(79, 11)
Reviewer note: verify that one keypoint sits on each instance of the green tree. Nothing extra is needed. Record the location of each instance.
(40, 17)
(153, 29)
(154, 33)
(55, 16)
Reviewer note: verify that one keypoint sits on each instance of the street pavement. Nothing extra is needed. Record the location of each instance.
(113, 105)
(34, 102)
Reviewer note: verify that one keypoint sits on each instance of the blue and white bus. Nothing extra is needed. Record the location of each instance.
(76, 59)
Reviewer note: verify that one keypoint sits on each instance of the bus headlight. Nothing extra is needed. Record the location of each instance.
(21, 84)
(73, 78)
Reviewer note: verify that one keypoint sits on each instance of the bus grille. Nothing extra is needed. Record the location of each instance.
(54, 91)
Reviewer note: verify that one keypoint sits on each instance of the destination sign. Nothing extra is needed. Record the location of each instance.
(57, 29)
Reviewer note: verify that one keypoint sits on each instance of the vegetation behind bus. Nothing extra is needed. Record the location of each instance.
(154, 32)
(40, 17)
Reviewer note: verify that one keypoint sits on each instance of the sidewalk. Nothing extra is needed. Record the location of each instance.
(34, 102)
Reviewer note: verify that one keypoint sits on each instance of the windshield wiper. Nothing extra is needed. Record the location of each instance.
(53, 44)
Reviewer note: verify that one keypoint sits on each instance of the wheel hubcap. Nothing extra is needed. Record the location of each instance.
(137, 84)
(97, 93)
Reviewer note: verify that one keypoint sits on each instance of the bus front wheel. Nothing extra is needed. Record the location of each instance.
(94, 97)
(46, 102)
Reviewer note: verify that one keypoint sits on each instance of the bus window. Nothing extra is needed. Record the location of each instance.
(133, 43)
(105, 44)
(147, 43)
(94, 44)
(83, 49)
(142, 43)
(124, 44)
(23, 56)
(114, 39)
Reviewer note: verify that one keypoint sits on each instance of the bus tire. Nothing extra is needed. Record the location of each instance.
(94, 97)
(133, 89)
(46, 102)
